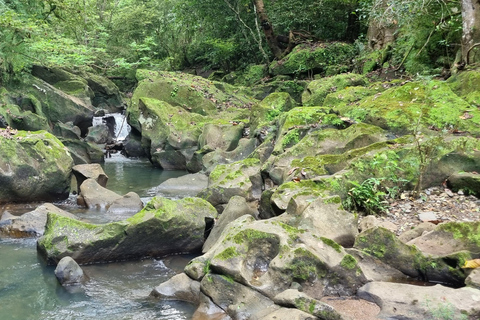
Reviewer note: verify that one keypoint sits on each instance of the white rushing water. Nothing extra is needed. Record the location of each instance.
(121, 127)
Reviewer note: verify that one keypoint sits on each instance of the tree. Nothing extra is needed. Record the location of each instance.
(470, 31)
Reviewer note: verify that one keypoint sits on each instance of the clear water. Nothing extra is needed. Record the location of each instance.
(29, 289)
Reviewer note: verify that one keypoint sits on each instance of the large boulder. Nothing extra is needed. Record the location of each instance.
(188, 185)
(268, 109)
(34, 166)
(318, 90)
(169, 134)
(84, 152)
(30, 224)
(433, 105)
(410, 260)
(324, 58)
(241, 178)
(163, 227)
(404, 301)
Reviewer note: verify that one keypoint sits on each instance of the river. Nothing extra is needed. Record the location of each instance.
(29, 289)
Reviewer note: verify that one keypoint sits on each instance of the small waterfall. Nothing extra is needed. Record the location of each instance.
(117, 124)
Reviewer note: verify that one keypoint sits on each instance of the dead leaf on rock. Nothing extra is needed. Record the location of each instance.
(472, 264)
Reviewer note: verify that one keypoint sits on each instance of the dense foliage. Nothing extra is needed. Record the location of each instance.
(115, 37)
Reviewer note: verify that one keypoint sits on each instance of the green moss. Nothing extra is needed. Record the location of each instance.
(332, 244)
(466, 231)
(251, 235)
(229, 253)
(228, 278)
(349, 262)
(305, 266)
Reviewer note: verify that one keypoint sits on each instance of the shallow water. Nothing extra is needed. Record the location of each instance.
(29, 289)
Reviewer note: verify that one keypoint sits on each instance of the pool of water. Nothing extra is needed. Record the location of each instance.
(29, 289)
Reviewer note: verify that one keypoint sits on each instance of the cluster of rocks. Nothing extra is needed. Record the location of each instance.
(276, 240)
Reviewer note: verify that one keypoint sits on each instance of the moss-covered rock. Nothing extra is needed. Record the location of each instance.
(241, 178)
(83, 152)
(163, 227)
(465, 84)
(168, 131)
(317, 58)
(384, 245)
(432, 105)
(190, 92)
(270, 108)
(34, 166)
(322, 152)
(317, 90)
(19, 119)
(294, 88)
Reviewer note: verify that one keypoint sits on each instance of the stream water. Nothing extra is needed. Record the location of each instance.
(29, 289)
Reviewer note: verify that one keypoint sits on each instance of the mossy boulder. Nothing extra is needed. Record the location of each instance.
(293, 87)
(317, 90)
(432, 105)
(468, 182)
(192, 93)
(270, 108)
(316, 58)
(19, 119)
(410, 260)
(322, 151)
(34, 166)
(465, 84)
(241, 178)
(169, 133)
(269, 255)
(163, 227)
(83, 152)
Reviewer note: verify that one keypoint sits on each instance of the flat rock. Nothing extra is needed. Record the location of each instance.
(188, 185)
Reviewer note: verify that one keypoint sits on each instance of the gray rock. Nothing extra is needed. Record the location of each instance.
(469, 182)
(96, 196)
(427, 216)
(416, 232)
(473, 279)
(209, 310)
(129, 203)
(179, 287)
(224, 137)
(325, 217)
(69, 273)
(236, 207)
(420, 302)
(185, 186)
(30, 224)
(99, 134)
(299, 300)
(288, 314)
(94, 171)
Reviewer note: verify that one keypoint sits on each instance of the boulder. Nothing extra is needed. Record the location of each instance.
(433, 105)
(99, 134)
(179, 287)
(23, 119)
(188, 185)
(163, 227)
(237, 300)
(473, 279)
(69, 273)
(321, 58)
(30, 224)
(468, 182)
(404, 301)
(95, 196)
(129, 203)
(224, 137)
(66, 130)
(34, 166)
(236, 207)
(95, 171)
(409, 259)
(318, 90)
(299, 300)
(241, 178)
(269, 109)
(326, 217)
(454, 237)
(83, 152)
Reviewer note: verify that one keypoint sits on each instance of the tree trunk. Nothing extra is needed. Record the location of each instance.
(471, 31)
(268, 30)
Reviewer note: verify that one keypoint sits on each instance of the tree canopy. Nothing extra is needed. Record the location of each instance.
(115, 37)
